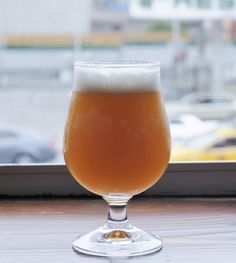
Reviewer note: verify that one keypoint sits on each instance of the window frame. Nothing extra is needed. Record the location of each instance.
(180, 179)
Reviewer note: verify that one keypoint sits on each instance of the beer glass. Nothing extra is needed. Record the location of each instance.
(117, 144)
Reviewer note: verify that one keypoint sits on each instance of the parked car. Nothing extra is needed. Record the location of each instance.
(205, 105)
(186, 126)
(219, 145)
(18, 145)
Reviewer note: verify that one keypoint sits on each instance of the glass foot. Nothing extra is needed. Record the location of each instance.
(130, 241)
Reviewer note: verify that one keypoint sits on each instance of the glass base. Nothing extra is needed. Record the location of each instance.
(130, 241)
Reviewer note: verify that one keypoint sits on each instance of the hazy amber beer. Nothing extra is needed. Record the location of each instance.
(116, 136)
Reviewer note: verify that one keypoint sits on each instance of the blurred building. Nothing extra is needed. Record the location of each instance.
(34, 17)
(38, 37)
(113, 15)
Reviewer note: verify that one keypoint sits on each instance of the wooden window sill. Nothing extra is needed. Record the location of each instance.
(180, 179)
(193, 229)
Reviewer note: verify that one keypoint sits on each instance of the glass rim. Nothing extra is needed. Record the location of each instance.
(117, 64)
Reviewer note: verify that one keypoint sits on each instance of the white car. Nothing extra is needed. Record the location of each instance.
(185, 127)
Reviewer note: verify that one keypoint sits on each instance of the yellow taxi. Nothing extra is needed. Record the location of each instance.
(219, 145)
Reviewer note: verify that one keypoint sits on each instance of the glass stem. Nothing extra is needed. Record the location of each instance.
(117, 221)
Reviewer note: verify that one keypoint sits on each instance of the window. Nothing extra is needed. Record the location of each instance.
(37, 51)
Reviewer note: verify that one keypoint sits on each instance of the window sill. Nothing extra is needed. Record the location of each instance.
(180, 179)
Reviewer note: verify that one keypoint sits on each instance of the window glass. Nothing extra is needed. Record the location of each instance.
(194, 40)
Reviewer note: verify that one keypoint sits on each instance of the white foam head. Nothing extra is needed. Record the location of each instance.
(114, 77)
